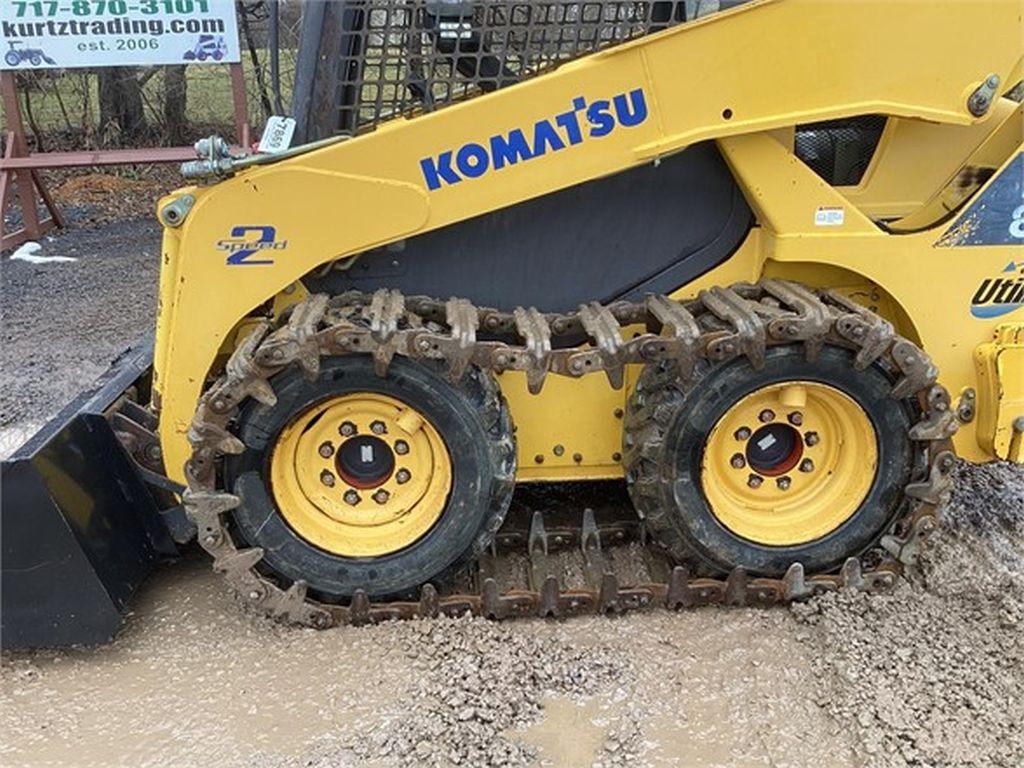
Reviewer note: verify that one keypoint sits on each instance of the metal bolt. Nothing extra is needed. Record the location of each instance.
(743, 433)
(539, 459)
(401, 447)
(577, 457)
(326, 449)
(402, 476)
(783, 482)
(806, 465)
(796, 418)
(347, 429)
(754, 481)
(616, 456)
(351, 497)
(381, 496)
(766, 415)
(558, 450)
(617, 413)
(327, 478)
(811, 438)
(737, 461)
(378, 428)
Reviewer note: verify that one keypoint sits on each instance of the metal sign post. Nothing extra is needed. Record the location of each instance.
(26, 180)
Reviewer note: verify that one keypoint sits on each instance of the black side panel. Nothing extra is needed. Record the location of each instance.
(649, 229)
(78, 527)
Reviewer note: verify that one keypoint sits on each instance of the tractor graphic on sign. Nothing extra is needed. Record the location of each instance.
(18, 54)
(207, 47)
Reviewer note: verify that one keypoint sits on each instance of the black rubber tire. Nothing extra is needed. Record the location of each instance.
(472, 419)
(667, 426)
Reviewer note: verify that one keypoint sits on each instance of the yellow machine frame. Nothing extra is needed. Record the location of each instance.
(743, 78)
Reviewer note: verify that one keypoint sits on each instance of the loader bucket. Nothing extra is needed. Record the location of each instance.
(79, 527)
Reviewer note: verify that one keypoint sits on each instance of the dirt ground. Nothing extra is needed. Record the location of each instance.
(931, 674)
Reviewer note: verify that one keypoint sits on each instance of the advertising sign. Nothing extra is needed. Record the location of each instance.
(46, 34)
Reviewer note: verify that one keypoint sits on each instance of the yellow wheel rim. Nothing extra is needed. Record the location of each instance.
(362, 475)
(789, 463)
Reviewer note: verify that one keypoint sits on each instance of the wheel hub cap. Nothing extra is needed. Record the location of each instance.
(365, 461)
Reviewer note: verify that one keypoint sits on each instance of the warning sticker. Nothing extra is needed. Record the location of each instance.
(829, 216)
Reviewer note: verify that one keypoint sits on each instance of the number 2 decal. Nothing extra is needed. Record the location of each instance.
(242, 246)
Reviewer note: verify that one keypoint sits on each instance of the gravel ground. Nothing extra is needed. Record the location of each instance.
(931, 674)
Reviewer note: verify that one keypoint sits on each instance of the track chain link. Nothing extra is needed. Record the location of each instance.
(719, 325)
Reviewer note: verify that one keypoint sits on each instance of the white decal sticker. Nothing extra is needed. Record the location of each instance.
(766, 442)
(829, 216)
(277, 136)
(366, 454)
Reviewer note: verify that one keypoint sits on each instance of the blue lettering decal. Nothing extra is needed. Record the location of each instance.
(565, 129)
(544, 135)
(472, 160)
(601, 120)
(571, 124)
(510, 149)
(240, 250)
(434, 173)
(639, 113)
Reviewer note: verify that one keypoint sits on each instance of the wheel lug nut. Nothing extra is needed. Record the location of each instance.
(737, 461)
(811, 438)
(783, 483)
(402, 476)
(401, 447)
(351, 497)
(796, 418)
(743, 433)
(766, 415)
(754, 481)
(381, 496)
(806, 465)
(327, 478)
(347, 429)
(326, 449)
(378, 428)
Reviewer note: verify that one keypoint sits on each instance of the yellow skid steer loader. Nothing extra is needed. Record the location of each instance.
(762, 267)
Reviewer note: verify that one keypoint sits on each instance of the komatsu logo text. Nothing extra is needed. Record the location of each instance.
(583, 121)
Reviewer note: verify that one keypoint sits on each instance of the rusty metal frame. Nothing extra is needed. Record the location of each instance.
(19, 168)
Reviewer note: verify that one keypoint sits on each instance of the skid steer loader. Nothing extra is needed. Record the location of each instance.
(762, 267)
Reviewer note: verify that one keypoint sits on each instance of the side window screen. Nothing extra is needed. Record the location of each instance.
(840, 150)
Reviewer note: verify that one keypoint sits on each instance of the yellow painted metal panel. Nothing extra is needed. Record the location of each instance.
(763, 66)
(915, 158)
(1000, 368)
(933, 286)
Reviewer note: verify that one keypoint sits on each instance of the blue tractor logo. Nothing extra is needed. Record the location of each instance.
(207, 47)
(18, 54)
